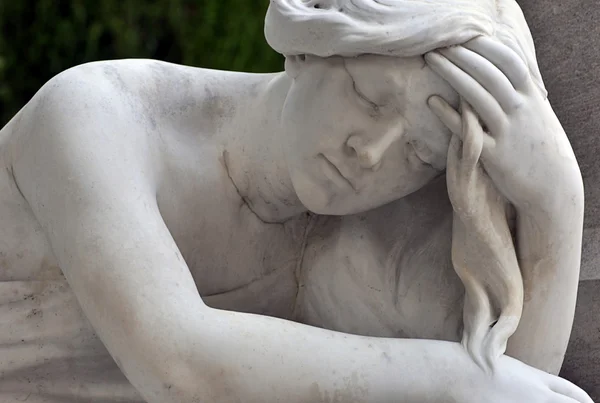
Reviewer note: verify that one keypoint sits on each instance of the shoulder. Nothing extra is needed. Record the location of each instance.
(82, 122)
(107, 84)
(77, 95)
(115, 84)
(117, 97)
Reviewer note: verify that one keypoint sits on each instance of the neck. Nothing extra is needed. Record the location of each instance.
(253, 154)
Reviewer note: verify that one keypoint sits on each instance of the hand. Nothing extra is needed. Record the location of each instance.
(482, 247)
(525, 150)
(472, 193)
(514, 381)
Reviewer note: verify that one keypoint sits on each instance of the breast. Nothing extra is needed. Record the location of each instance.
(238, 262)
(385, 273)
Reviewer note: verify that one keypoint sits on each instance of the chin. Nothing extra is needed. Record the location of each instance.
(338, 205)
(322, 201)
(334, 210)
(316, 203)
(353, 205)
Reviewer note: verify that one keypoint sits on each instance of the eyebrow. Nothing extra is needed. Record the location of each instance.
(361, 95)
(371, 103)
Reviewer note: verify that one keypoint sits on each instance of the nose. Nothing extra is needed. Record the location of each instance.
(370, 152)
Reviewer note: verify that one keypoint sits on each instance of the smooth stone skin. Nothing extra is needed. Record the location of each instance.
(106, 151)
(567, 40)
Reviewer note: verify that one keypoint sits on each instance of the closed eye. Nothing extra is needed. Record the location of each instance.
(363, 98)
(419, 150)
(424, 154)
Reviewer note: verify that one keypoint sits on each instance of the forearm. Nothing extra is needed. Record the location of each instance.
(250, 358)
(549, 249)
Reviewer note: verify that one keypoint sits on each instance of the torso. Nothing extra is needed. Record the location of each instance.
(385, 273)
(380, 273)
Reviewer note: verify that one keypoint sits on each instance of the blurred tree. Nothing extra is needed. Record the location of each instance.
(40, 38)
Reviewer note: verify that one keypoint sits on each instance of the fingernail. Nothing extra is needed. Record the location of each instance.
(432, 56)
(434, 101)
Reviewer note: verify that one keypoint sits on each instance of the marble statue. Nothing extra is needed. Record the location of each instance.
(397, 217)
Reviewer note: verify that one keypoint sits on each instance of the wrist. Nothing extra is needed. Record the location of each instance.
(564, 207)
(562, 198)
(464, 375)
(454, 372)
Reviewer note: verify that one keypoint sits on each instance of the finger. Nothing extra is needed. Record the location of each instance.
(446, 113)
(503, 57)
(472, 135)
(453, 165)
(485, 73)
(566, 388)
(453, 159)
(485, 104)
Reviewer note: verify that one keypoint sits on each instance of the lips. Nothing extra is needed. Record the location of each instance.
(337, 172)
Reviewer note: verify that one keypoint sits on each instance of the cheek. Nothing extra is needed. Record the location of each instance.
(307, 114)
(403, 175)
(313, 196)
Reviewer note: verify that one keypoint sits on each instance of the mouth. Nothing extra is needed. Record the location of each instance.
(334, 174)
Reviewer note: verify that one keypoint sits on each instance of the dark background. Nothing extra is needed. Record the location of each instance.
(40, 38)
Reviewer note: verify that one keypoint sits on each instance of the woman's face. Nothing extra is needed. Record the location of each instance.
(358, 131)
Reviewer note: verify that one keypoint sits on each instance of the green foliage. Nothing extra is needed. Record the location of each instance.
(40, 38)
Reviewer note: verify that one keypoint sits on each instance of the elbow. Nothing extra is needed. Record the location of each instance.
(196, 374)
(187, 365)
(216, 385)
(179, 383)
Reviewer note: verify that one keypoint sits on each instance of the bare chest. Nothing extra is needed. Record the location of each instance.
(238, 261)
(385, 273)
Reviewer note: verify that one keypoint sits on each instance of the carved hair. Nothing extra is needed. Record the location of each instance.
(402, 28)
(407, 28)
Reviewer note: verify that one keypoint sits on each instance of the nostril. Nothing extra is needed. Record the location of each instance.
(351, 152)
(353, 145)
(367, 156)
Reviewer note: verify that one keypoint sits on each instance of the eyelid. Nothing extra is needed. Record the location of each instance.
(364, 98)
(423, 153)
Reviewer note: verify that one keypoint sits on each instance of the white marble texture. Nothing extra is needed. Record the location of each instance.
(168, 232)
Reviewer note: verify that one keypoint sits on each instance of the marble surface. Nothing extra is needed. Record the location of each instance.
(567, 39)
(147, 209)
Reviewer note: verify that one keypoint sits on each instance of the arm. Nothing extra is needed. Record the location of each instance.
(93, 193)
(547, 255)
(483, 253)
(528, 157)
(549, 248)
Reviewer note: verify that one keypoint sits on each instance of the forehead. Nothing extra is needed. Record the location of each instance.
(383, 73)
(384, 66)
